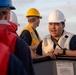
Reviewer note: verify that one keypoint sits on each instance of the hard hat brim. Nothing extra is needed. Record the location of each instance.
(57, 21)
(40, 17)
(12, 8)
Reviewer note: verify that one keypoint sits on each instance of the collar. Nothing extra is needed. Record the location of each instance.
(4, 22)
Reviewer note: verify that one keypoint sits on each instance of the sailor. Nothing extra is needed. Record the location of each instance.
(58, 41)
(29, 33)
(16, 45)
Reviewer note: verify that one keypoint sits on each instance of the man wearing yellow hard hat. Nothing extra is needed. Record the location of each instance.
(29, 33)
(58, 41)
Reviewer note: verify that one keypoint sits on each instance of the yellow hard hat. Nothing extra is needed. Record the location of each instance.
(33, 12)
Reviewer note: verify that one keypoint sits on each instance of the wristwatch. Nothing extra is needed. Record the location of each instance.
(64, 51)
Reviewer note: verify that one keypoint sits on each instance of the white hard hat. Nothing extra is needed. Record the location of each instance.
(56, 16)
(13, 18)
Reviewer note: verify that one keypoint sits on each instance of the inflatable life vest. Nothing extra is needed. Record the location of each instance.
(8, 38)
(64, 42)
(13, 27)
(4, 59)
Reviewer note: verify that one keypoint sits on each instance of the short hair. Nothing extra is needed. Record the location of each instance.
(63, 23)
(31, 19)
(3, 11)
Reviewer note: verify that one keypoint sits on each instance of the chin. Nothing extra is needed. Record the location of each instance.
(53, 35)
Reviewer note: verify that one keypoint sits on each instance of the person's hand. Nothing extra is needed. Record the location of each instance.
(33, 55)
(51, 54)
(58, 51)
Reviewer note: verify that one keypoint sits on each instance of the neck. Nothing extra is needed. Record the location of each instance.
(56, 38)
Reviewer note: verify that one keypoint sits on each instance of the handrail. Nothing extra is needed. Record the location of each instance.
(60, 57)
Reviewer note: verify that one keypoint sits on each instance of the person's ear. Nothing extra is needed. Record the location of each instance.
(7, 15)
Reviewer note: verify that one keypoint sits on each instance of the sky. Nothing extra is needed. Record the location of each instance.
(68, 7)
